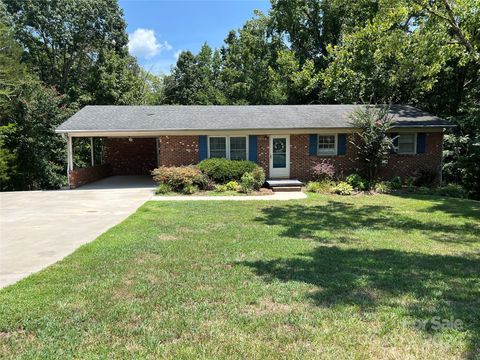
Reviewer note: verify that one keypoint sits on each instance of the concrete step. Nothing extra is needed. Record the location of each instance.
(286, 188)
(273, 183)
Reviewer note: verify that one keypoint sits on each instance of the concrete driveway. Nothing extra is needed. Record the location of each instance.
(38, 228)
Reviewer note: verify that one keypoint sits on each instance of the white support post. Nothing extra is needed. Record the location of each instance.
(91, 151)
(158, 150)
(69, 154)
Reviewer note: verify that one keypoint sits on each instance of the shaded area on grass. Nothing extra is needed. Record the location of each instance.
(434, 284)
(305, 221)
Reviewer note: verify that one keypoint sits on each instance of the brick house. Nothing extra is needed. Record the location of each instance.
(286, 140)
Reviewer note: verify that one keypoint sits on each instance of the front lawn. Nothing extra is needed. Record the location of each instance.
(328, 277)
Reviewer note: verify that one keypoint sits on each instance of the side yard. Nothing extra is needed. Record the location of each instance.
(327, 277)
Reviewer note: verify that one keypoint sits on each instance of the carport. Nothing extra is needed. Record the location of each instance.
(115, 156)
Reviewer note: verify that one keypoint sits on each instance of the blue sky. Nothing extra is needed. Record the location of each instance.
(159, 29)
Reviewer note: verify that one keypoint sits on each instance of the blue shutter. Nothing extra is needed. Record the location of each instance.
(394, 136)
(342, 144)
(421, 143)
(252, 148)
(202, 147)
(313, 143)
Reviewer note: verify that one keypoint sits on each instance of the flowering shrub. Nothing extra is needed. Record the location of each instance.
(179, 178)
(323, 170)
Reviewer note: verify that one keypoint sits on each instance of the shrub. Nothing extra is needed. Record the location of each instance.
(259, 176)
(179, 177)
(396, 182)
(383, 187)
(232, 186)
(323, 170)
(320, 187)
(452, 190)
(425, 177)
(343, 188)
(220, 188)
(189, 189)
(357, 182)
(247, 182)
(223, 170)
(163, 189)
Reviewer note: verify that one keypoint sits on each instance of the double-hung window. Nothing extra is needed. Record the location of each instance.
(406, 144)
(228, 147)
(327, 145)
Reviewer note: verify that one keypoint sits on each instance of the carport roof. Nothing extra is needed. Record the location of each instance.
(99, 118)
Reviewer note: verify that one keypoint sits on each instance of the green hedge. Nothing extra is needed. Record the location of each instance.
(223, 170)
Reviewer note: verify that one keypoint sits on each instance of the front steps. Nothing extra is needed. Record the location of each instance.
(284, 185)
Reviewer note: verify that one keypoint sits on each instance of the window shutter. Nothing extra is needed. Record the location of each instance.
(342, 144)
(252, 148)
(421, 143)
(202, 147)
(395, 143)
(312, 146)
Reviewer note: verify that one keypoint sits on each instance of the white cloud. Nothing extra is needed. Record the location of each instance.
(143, 43)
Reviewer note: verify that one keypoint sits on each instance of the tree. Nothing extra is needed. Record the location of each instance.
(63, 39)
(12, 72)
(40, 152)
(196, 79)
(250, 62)
(117, 80)
(372, 141)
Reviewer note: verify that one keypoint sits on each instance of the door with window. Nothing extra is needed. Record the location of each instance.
(280, 156)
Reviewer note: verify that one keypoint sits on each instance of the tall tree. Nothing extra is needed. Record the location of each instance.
(63, 39)
(249, 63)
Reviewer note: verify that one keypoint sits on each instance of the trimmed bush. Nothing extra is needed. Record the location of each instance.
(396, 182)
(220, 188)
(223, 170)
(452, 190)
(190, 189)
(425, 177)
(259, 176)
(383, 187)
(343, 188)
(247, 182)
(179, 178)
(320, 187)
(357, 182)
(232, 186)
(163, 189)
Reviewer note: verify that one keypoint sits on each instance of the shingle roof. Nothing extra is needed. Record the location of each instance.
(232, 117)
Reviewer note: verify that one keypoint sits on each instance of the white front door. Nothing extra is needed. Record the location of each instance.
(279, 156)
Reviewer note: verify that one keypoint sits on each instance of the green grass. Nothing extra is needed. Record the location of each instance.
(327, 277)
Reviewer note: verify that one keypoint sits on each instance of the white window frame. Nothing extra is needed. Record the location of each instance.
(414, 144)
(335, 153)
(227, 144)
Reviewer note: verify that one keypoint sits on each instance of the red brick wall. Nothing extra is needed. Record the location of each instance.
(398, 165)
(263, 153)
(178, 150)
(406, 165)
(136, 157)
(183, 150)
(79, 177)
(301, 162)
